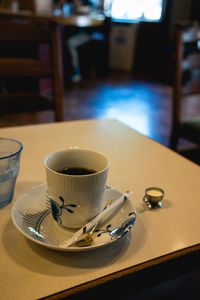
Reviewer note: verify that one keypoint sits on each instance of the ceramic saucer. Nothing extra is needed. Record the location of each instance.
(31, 214)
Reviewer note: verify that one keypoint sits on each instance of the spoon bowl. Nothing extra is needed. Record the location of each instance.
(121, 231)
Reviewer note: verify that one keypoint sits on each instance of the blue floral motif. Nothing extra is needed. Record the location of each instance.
(102, 231)
(57, 209)
(34, 222)
(119, 231)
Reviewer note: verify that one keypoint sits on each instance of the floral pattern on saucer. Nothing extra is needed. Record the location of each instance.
(32, 216)
(120, 231)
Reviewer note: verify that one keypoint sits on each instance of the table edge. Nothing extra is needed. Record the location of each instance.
(122, 273)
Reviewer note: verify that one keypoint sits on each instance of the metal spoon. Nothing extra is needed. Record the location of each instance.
(123, 229)
(89, 237)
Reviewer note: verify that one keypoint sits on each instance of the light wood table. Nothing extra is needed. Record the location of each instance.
(30, 271)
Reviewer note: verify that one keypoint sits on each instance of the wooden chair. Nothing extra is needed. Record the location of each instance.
(26, 33)
(187, 81)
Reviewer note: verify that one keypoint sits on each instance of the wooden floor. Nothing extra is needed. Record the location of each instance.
(142, 105)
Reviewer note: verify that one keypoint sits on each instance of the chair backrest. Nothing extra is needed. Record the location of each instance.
(20, 41)
(17, 29)
(187, 63)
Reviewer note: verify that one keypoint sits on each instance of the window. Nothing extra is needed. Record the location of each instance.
(134, 10)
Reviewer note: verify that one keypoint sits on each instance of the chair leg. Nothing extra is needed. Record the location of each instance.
(58, 71)
(59, 110)
(174, 137)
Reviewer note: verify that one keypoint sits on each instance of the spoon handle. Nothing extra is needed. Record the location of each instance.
(88, 239)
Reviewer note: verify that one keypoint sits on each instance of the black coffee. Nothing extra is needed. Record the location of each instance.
(76, 171)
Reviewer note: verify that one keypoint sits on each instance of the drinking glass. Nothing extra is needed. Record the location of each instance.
(10, 151)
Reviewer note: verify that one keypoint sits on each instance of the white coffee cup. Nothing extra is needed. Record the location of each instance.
(75, 199)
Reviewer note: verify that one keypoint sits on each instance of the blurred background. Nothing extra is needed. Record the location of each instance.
(126, 66)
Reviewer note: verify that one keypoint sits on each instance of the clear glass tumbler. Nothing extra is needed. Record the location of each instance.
(10, 151)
